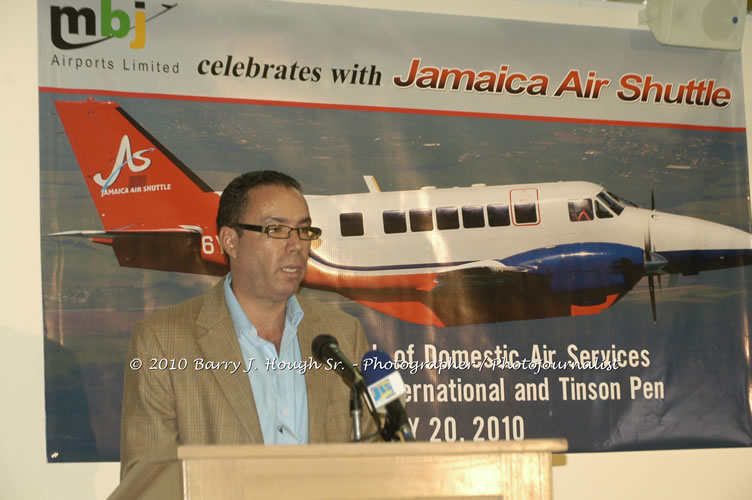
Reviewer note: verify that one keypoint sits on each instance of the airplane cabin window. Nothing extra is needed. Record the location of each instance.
(601, 211)
(421, 219)
(472, 216)
(498, 215)
(351, 224)
(394, 221)
(525, 213)
(580, 210)
(447, 218)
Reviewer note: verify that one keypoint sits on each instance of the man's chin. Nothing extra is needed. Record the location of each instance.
(290, 289)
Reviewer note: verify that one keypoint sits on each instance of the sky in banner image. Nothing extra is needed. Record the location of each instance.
(547, 300)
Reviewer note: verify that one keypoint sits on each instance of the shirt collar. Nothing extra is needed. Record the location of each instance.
(293, 312)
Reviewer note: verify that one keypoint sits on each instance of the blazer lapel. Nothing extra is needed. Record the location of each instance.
(316, 381)
(218, 342)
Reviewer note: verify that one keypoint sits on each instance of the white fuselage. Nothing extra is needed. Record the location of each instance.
(548, 223)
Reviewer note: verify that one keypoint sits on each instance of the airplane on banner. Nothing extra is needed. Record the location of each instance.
(439, 257)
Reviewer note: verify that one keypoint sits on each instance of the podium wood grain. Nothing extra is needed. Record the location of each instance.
(504, 469)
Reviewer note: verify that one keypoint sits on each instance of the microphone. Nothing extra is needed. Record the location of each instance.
(326, 349)
(386, 388)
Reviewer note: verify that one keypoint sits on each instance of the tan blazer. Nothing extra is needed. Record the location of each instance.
(179, 404)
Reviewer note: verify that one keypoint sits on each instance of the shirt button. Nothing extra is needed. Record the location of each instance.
(284, 413)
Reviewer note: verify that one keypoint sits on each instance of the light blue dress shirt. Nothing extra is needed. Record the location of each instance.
(280, 393)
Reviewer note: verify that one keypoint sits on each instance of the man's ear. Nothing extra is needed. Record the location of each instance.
(228, 238)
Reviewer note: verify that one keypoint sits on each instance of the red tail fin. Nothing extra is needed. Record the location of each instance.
(136, 184)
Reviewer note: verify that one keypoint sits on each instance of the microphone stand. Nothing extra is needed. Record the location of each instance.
(356, 407)
(325, 349)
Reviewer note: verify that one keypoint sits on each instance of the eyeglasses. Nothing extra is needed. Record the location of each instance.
(280, 232)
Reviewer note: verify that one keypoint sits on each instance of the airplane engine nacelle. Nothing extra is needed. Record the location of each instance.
(581, 268)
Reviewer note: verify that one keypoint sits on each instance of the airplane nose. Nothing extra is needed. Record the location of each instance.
(692, 245)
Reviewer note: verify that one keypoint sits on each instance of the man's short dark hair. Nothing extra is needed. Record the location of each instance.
(234, 198)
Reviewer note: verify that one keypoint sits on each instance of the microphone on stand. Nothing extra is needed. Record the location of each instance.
(386, 388)
(326, 349)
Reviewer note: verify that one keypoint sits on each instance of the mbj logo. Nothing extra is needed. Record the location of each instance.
(124, 157)
(113, 23)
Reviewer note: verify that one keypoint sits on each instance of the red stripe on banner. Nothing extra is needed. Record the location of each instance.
(387, 109)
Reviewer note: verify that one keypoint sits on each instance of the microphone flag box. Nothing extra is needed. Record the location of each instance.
(387, 389)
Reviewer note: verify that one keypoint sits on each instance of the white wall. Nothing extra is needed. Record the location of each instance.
(24, 473)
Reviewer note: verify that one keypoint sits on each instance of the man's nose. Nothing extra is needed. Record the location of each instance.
(294, 242)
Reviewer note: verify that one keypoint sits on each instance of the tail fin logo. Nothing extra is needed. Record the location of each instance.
(124, 157)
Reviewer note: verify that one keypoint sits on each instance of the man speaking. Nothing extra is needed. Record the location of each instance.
(236, 337)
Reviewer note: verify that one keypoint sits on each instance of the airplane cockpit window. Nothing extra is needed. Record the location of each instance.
(447, 218)
(612, 203)
(421, 219)
(394, 221)
(472, 216)
(621, 200)
(580, 210)
(498, 215)
(601, 211)
(351, 224)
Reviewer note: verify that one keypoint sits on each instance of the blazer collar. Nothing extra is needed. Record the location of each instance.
(218, 341)
(317, 380)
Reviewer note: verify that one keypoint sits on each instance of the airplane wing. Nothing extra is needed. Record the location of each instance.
(479, 272)
(473, 292)
(488, 291)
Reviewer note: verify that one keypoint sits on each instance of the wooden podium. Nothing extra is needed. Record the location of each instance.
(503, 469)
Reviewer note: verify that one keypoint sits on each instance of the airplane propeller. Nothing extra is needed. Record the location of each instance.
(652, 208)
(651, 283)
(653, 262)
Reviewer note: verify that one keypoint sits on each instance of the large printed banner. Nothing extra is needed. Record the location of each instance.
(545, 226)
